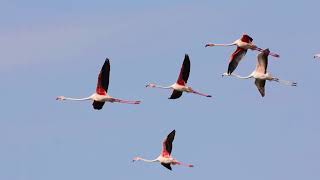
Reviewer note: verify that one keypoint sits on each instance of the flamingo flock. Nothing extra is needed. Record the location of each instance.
(260, 74)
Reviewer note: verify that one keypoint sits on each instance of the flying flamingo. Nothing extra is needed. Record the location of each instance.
(243, 44)
(100, 96)
(165, 157)
(260, 73)
(180, 86)
(317, 56)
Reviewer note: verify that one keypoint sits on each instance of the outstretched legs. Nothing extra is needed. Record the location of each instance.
(288, 83)
(201, 94)
(125, 101)
(182, 164)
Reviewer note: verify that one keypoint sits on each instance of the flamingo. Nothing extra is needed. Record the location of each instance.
(100, 96)
(180, 86)
(165, 157)
(243, 44)
(261, 75)
(316, 56)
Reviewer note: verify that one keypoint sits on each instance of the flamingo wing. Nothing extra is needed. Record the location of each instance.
(167, 166)
(97, 105)
(184, 72)
(235, 58)
(175, 94)
(262, 62)
(260, 85)
(103, 79)
(167, 144)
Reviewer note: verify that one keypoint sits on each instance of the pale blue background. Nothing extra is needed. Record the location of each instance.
(57, 48)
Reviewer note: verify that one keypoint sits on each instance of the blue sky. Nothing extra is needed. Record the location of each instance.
(57, 48)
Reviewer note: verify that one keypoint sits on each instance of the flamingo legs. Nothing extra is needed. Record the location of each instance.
(182, 164)
(284, 82)
(201, 94)
(125, 101)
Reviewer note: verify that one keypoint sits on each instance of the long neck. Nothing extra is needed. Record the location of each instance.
(231, 44)
(241, 77)
(78, 99)
(162, 87)
(149, 161)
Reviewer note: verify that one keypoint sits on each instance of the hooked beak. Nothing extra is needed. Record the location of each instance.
(209, 45)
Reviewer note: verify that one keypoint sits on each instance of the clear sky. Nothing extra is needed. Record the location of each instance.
(51, 48)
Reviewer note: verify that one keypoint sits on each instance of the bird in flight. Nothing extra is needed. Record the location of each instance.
(165, 158)
(261, 75)
(181, 85)
(100, 96)
(243, 44)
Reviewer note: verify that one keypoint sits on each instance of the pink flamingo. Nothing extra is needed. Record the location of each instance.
(243, 44)
(261, 75)
(100, 96)
(165, 158)
(180, 86)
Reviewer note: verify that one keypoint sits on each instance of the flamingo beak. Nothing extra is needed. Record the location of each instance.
(209, 45)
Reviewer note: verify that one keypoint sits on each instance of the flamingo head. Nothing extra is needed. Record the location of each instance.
(151, 85)
(266, 51)
(209, 45)
(136, 159)
(225, 74)
(61, 98)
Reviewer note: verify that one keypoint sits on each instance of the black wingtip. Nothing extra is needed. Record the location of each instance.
(107, 60)
(186, 56)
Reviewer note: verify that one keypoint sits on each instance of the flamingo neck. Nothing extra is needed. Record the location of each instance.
(78, 99)
(163, 87)
(231, 44)
(147, 160)
(241, 77)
